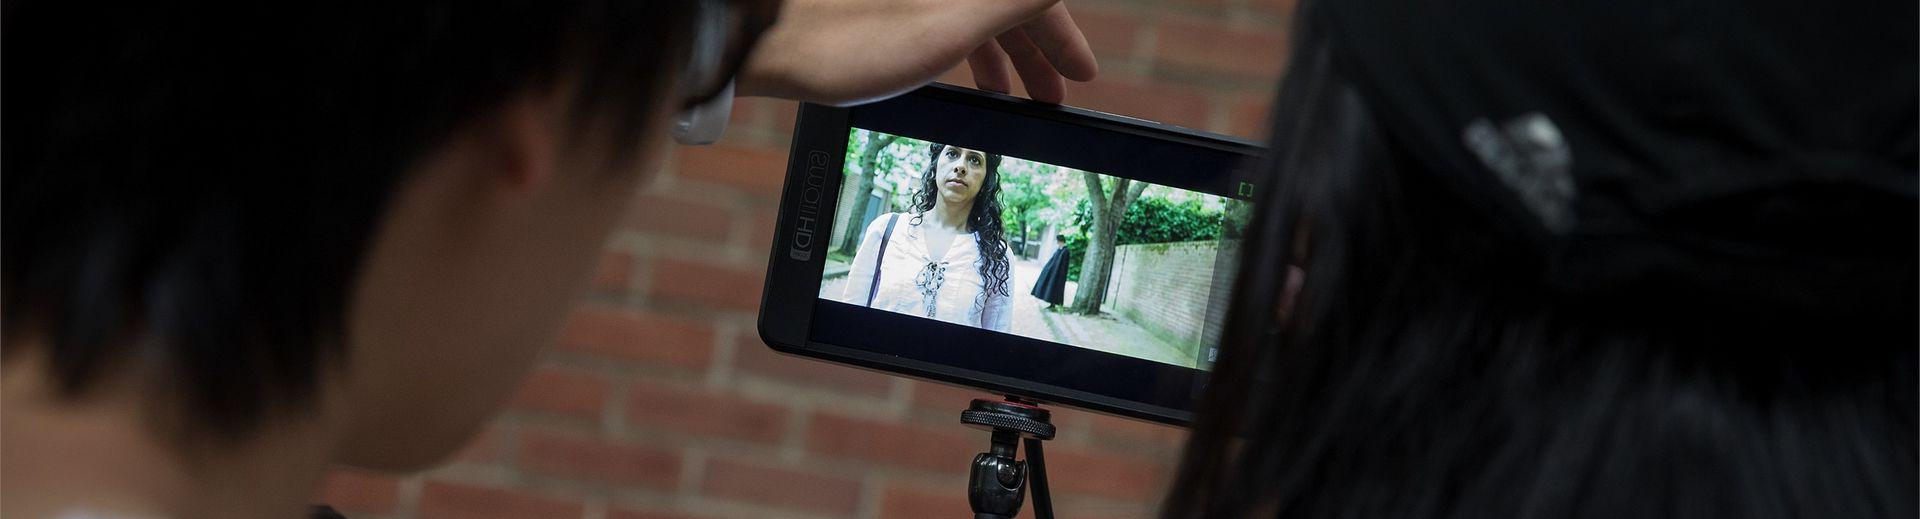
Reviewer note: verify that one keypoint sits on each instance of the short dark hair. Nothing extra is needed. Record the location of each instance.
(193, 185)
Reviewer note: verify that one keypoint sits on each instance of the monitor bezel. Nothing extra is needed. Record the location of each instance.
(807, 202)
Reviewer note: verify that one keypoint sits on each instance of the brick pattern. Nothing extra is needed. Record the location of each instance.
(657, 399)
(1167, 287)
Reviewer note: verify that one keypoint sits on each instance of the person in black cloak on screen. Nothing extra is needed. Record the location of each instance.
(1052, 285)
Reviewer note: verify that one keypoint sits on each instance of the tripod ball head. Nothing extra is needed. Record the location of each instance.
(1024, 420)
(996, 486)
(998, 483)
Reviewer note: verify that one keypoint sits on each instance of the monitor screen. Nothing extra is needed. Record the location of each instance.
(1038, 251)
(977, 238)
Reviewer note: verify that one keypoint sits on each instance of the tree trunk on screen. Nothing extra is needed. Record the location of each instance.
(1107, 209)
(850, 240)
(1026, 244)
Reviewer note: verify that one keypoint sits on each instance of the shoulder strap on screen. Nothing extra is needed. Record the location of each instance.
(873, 287)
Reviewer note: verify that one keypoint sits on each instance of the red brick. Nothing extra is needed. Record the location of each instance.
(760, 230)
(598, 461)
(914, 502)
(354, 491)
(1252, 117)
(481, 448)
(441, 500)
(707, 285)
(1163, 438)
(781, 115)
(1111, 33)
(637, 336)
(942, 397)
(943, 448)
(680, 217)
(753, 483)
(1200, 6)
(1210, 46)
(1285, 8)
(704, 414)
(1104, 510)
(561, 391)
(1135, 98)
(618, 513)
(743, 112)
(754, 357)
(614, 273)
(756, 171)
(1109, 474)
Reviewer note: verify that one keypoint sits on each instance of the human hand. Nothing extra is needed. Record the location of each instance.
(850, 51)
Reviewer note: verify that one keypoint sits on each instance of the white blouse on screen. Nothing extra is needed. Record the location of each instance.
(953, 280)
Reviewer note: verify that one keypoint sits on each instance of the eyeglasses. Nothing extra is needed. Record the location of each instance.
(725, 32)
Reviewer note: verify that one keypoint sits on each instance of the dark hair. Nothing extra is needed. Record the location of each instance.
(983, 220)
(190, 188)
(1422, 372)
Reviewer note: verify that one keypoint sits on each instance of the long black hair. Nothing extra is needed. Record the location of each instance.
(983, 220)
(1421, 373)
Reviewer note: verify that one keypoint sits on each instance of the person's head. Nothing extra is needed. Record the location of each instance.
(1438, 362)
(960, 175)
(1060, 239)
(957, 176)
(361, 216)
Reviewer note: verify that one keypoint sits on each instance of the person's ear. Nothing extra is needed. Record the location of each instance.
(521, 140)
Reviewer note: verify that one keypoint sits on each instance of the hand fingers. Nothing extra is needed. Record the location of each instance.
(1043, 82)
(989, 65)
(998, 16)
(1062, 42)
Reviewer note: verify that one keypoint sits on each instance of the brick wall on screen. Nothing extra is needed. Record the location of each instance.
(1165, 287)
(658, 400)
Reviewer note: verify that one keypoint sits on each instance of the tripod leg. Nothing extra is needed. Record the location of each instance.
(1037, 480)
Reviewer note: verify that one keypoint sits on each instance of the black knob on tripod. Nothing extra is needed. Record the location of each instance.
(1022, 419)
(996, 486)
(998, 483)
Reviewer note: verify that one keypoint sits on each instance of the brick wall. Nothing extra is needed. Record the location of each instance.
(658, 400)
(1166, 287)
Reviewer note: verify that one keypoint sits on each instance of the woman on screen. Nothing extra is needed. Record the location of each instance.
(946, 259)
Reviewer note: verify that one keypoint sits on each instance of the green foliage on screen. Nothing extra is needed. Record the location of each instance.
(1151, 219)
(1160, 220)
(1039, 200)
(1025, 200)
(896, 168)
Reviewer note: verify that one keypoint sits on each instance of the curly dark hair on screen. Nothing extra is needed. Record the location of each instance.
(983, 220)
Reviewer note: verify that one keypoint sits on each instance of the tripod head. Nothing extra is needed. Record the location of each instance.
(1019, 417)
(998, 483)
